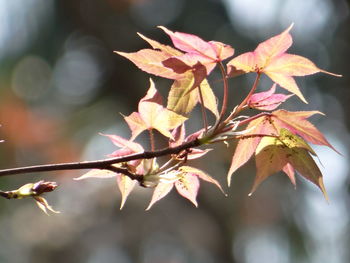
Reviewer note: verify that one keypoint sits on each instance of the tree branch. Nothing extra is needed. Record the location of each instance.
(106, 164)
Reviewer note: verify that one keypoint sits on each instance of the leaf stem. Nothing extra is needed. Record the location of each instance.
(244, 102)
(224, 100)
(151, 139)
(204, 115)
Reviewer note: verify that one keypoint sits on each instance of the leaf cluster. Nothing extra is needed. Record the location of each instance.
(277, 138)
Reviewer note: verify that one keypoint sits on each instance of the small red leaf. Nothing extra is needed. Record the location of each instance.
(267, 100)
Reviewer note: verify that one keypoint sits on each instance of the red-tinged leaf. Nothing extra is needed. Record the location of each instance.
(178, 136)
(156, 45)
(191, 43)
(297, 123)
(289, 171)
(127, 145)
(125, 185)
(222, 50)
(242, 64)
(267, 100)
(292, 65)
(150, 61)
(273, 47)
(161, 190)
(202, 175)
(187, 186)
(177, 64)
(270, 57)
(195, 135)
(274, 154)
(247, 145)
(152, 115)
(96, 173)
(152, 95)
(286, 82)
(190, 60)
(136, 124)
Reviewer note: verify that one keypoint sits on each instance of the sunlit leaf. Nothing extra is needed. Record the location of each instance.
(125, 185)
(165, 48)
(274, 154)
(268, 100)
(152, 115)
(161, 190)
(247, 144)
(270, 57)
(202, 175)
(150, 61)
(188, 186)
(296, 122)
(182, 101)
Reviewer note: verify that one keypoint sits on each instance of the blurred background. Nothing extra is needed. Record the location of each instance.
(61, 85)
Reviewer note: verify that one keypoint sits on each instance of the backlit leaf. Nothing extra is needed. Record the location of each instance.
(202, 175)
(125, 185)
(188, 186)
(270, 57)
(247, 145)
(152, 115)
(275, 154)
(160, 191)
(268, 100)
(150, 61)
(182, 101)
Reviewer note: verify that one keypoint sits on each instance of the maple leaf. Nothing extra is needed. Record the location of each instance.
(268, 100)
(198, 50)
(186, 182)
(151, 61)
(152, 115)
(296, 122)
(287, 151)
(182, 101)
(247, 144)
(270, 57)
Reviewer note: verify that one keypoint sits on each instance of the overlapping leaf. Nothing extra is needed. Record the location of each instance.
(288, 151)
(270, 124)
(268, 100)
(186, 182)
(182, 101)
(203, 51)
(270, 57)
(152, 115)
